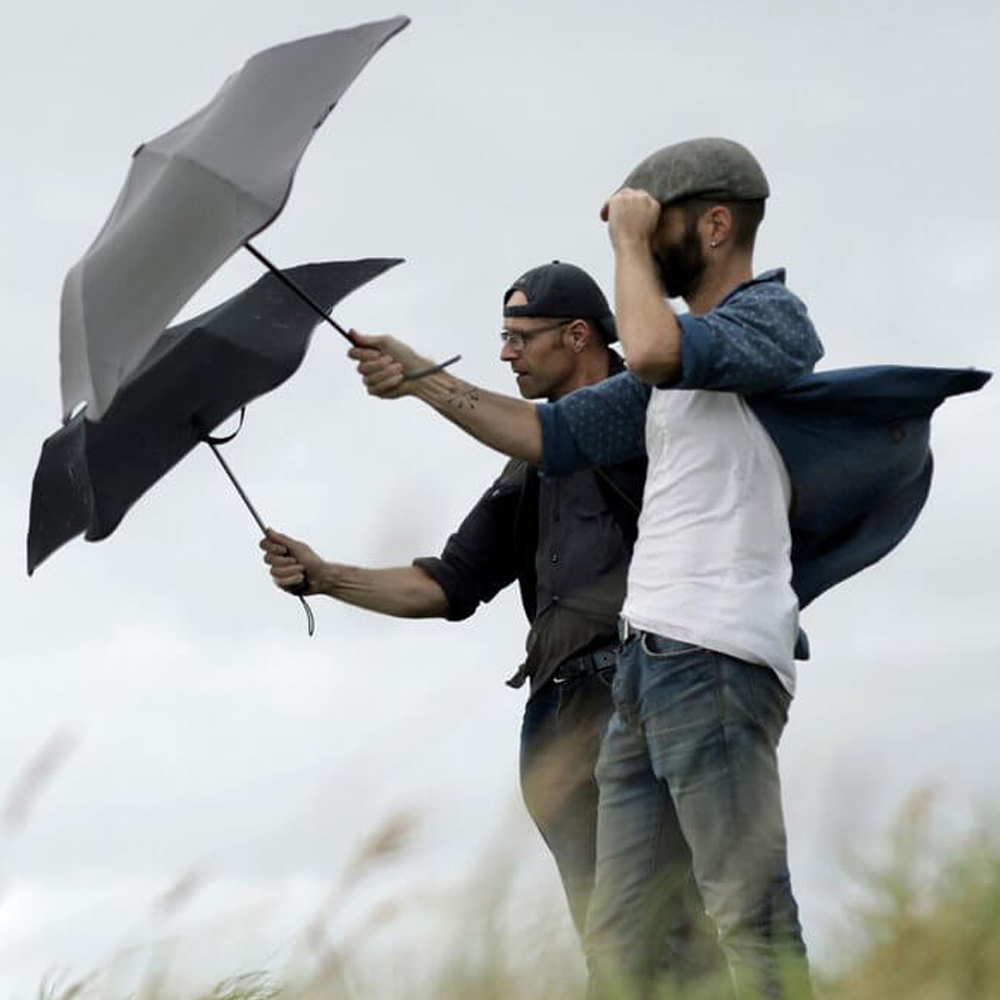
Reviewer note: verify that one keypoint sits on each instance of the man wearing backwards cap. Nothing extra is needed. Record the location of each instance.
(567, 541)
(705, 671)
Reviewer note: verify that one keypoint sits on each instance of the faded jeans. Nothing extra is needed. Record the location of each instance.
(688, 776)
(560, 739)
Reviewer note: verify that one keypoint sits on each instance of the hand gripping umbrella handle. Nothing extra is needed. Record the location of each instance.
(213, 443)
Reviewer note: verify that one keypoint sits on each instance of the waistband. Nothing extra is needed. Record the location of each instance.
(585, 664)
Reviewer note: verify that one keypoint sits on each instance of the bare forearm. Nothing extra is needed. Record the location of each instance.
(511, 426)
(647, 327)
(401, 591)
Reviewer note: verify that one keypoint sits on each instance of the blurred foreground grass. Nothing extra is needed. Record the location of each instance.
(926, 926)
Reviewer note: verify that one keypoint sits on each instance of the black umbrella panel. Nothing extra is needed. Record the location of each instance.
(196, 375)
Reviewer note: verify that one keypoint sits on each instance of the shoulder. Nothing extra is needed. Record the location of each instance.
(618, 389)
(765, 294)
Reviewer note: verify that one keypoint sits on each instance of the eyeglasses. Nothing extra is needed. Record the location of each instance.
(519, 339)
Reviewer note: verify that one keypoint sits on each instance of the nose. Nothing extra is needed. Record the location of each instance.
(507, 353)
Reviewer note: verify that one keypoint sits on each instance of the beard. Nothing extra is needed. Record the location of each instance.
(682, 266)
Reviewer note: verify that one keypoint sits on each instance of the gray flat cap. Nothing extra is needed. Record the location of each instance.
(701, 168)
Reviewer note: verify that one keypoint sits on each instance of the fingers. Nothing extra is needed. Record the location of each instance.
(632, 216)
(276, 543)
(364, 353)
(364, 340)
(287, 572)
(281, 558)
(289, 578)
(381, 374)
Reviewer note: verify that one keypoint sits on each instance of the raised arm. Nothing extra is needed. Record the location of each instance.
(648, 328)
(509, 425)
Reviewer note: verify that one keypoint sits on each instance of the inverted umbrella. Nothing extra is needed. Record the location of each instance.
(196, 376)
(192, 197)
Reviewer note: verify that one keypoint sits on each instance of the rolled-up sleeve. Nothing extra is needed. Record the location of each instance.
(752, 343)
(599, 425)
(480, 558)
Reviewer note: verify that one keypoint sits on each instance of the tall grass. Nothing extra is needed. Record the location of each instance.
(926, 927)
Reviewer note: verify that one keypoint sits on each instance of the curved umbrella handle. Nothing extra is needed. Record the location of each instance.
(310, 617)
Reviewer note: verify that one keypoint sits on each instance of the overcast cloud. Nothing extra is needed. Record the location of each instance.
(204, 731)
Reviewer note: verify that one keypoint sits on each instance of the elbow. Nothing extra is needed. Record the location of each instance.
(654, 367)
(425, 597)
(653, 349)
(531, 446)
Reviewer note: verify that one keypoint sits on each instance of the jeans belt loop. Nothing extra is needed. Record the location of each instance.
(625, 630)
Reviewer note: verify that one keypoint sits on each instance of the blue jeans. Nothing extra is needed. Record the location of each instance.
(560, 740)
(688, 777)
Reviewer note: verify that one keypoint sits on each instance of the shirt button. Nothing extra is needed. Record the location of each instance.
(554, 558)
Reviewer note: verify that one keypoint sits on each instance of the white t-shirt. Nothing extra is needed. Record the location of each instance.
(712, 562)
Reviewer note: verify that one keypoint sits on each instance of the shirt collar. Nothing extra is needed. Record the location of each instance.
(765, 277)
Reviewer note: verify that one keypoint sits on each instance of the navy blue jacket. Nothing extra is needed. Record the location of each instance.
(855, 441)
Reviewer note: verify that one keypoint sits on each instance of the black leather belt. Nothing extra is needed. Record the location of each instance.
(585, 664)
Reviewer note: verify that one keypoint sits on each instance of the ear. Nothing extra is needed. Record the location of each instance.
(579, 335)
(717, 225)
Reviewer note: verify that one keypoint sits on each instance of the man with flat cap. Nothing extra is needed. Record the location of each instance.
(688, 768)
(567, 541)
(723, 401)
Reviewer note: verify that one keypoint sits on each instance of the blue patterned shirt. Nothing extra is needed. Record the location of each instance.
(758, 338)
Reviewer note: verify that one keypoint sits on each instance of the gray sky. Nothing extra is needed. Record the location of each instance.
(211, 733)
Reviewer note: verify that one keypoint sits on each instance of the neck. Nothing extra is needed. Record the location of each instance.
(719, 281)
(594, 366)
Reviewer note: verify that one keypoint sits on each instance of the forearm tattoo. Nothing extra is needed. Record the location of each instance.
(463, 396)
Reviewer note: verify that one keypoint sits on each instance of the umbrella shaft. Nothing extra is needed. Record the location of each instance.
(310, 619)
(280, 275)
(236, 483)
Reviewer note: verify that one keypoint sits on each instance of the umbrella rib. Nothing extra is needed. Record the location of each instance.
(310, 619)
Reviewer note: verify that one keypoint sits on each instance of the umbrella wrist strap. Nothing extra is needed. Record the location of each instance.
(226, 438)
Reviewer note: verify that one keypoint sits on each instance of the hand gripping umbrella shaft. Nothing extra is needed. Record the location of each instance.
(213, 444)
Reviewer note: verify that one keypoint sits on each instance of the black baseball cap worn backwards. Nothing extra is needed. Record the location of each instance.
(562, 291)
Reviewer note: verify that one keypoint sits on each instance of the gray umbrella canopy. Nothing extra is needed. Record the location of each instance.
(191, 198)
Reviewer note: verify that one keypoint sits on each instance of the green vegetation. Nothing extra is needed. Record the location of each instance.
(927, 928)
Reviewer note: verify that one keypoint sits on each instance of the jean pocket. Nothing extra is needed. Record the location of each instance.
(769, 699)
(659, 647)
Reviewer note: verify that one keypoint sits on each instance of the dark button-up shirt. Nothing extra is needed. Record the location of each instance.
(581, 561)
(566, 539)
